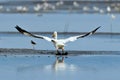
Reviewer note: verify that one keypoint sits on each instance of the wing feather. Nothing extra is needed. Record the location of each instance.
(70, 39)
(30, 34)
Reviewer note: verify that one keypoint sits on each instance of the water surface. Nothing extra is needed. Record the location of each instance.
(36, 67)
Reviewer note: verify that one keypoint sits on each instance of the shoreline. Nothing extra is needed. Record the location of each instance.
(19, 51)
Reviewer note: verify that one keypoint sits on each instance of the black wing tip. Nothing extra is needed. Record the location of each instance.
(95, 30)
(98, 27)
(17, 26)
(20, 29)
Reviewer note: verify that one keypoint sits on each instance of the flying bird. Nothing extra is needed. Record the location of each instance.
(58, 43)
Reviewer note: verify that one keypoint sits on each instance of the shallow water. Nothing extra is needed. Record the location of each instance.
(45, 67)
(39, 67)
(91, 43)
(61, 23)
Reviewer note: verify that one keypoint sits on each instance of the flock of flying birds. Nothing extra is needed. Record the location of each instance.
(58, 43)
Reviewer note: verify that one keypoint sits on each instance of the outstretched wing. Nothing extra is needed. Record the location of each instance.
(30, 34)
(70, 39)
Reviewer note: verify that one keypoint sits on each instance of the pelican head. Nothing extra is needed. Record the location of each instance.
(54, 35)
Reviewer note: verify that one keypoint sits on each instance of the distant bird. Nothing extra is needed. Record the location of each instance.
(33, 43)
(58, 43)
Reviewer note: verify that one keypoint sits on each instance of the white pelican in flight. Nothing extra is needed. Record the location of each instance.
(58, 43)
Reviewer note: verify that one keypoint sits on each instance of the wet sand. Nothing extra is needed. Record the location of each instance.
(13, 51)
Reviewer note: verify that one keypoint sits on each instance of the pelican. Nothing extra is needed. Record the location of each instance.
(58, 43)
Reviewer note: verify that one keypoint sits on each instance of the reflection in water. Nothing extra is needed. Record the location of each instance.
(54, 68)
(58, 68)
(58, 65)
